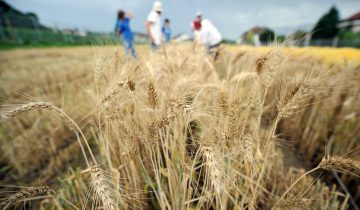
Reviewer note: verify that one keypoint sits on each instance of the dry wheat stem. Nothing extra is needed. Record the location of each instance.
(152, 95)
(25, 108)
(339, 163)
(102, 188)
(247, 144)
(290, 102)
(26, 194)
(330, 163)
(295, 204)
(215, 172)
(46, 105)
(98, 71)
(293, 185)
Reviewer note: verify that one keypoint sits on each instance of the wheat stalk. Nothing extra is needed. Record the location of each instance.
(153, 133)
(260, 64)
(233, 115)
(256, 106)
(248, 150)
(295, 204)
(113, 91)
(223, 102)
(102, 188)
(152, 95)
(98, 70)
(237, 57)
(290, 102)
(266, 67)
(26, 108)
(26, 194)
(122, 85)
(339, 163)
(177, 107)
(46, 105)
(116, 59)
(163, 122)
(131, 85)
(212, 162)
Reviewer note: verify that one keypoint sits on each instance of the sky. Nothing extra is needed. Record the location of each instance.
(231, 17)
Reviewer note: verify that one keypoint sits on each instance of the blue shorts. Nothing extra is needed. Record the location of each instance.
(129, 48)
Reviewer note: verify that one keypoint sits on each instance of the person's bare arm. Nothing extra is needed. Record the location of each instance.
(129, 15)
(148, 31)
(117, 30)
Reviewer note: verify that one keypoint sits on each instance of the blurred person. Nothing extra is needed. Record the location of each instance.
(123, 28)
(153, 25)
(196, 27)
(166, 30)
(209, 35)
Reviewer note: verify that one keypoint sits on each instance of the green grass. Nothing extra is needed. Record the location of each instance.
(40, 45)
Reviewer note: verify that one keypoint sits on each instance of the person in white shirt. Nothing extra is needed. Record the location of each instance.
(153, 25)
(209, 34)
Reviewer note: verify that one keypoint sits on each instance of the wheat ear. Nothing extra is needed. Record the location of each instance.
(46, 105)
(214, 168)
(291, 102)
(338, 163)
(25, 108)
(26, 194)
(152, 95)
(295, 204)
(248, 150)
(102, 188)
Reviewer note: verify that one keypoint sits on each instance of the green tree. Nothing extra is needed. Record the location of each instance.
(299, 34)
(249, 38)
(267, 35)
(326, 28)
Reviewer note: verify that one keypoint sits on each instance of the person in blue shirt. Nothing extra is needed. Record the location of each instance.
(123, 28)
(166, 30)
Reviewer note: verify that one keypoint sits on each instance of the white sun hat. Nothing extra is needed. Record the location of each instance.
(198, 13)
(157, 6)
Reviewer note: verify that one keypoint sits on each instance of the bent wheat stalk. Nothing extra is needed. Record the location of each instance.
(26, 194)
(338, 163)
(46, 105)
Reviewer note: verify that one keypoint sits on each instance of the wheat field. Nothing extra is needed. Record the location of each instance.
(252, 128)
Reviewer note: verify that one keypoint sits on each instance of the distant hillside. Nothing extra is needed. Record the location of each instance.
(11, 17)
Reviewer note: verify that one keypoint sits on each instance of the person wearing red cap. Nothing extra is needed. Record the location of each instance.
(208, 34)
(196, 26)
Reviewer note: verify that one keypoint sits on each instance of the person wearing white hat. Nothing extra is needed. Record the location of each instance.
(153, 25)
